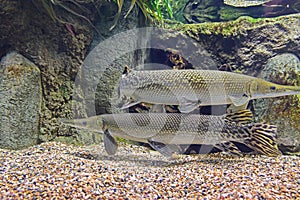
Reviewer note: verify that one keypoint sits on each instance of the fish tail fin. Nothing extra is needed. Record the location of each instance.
(263, 139)
(240, 117)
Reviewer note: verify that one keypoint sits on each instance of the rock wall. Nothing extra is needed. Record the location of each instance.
(246, 44)
(57, 48)
(99, 75)
(20, 102)
(57, 42)
(282, 111)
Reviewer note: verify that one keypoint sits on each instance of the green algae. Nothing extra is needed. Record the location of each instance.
(227, 29)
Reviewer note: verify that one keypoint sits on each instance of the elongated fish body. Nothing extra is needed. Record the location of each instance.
(245, 3)
(192, 88)
(171, 129)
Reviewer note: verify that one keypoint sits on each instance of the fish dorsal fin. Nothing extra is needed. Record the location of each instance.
(240, 117)
(238, 100)
(110, 143)
(263, 139)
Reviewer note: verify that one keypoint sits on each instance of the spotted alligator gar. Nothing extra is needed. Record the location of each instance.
(168, 132)
(193, 88)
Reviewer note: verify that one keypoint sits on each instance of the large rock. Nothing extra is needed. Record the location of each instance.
(282, 111)
(20, 102)
(57, 41)
(245, 44)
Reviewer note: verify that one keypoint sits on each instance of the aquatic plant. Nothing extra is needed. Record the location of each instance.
(152, 10)
(49, 6)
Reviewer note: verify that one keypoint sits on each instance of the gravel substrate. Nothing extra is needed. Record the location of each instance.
(59, 171)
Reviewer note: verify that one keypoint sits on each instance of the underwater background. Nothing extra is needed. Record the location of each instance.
(64, 58)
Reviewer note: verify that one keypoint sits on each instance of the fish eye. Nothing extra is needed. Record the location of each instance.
(272, 88)
(84, 123)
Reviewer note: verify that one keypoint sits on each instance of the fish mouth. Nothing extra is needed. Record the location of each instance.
(278, 94)
(289, 92)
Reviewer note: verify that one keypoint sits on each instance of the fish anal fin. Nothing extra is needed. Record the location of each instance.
(168, 150)
(241, 117)
(263, 139)
(229, 148)
(110, 143)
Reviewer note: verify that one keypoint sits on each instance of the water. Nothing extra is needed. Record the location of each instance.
(235, 36)
(81, 50)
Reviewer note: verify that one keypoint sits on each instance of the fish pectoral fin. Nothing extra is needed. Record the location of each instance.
(238, 100)
(110, 143)
(166, 150)
(129, 104)
(229, 148)
(263, 139)
(188, 105)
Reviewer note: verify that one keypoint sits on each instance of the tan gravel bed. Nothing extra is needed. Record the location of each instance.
(59, 171)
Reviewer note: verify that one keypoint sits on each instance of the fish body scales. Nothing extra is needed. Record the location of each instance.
(165, 131)
(174, 86)
(173, 128)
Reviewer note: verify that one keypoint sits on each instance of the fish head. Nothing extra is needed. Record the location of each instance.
(92, 123)
(264, 89)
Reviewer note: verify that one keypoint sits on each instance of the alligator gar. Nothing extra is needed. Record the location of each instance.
(193, 88)
(168, 132)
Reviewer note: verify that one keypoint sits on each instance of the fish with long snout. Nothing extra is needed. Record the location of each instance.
(193, 88)
(168, 132)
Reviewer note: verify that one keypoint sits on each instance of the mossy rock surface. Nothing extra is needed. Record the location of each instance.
(244, 44)
(20, 102)
(282, 111)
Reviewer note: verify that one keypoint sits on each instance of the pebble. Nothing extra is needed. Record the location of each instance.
(59, 171)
